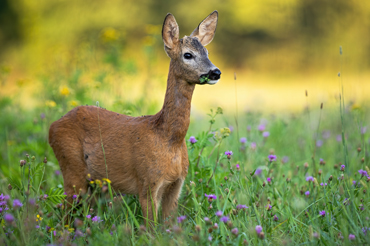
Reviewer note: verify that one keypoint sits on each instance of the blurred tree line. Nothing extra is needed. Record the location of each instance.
(265, 34)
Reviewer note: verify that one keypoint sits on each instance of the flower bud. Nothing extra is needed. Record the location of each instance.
(10, 187)
(45, 160)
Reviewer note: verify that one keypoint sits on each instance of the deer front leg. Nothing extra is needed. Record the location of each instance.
(149, 205)
(170, 198)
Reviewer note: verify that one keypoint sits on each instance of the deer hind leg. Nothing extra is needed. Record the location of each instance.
(170, 198)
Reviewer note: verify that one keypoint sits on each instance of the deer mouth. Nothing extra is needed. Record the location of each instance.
(211, 77)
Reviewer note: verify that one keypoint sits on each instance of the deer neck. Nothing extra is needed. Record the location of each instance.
(174, 118)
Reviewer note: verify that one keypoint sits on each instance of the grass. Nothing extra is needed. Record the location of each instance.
(250, 187)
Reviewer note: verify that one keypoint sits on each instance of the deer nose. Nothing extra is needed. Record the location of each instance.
(215, 74)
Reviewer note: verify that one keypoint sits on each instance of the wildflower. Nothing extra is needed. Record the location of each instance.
(88, 216)
(342, 167)
(265, 134)
(168, 231)
(96, 219)
(339, 138)
(210, 197)
(316, 235)
(64, 91)
(22, 163)
(45, 196)
(322, 184)
(74, 197)
(253, 145)
(57, 172)
(240, 206)
(210, 238)
(258, 172)
(319, 143)
(243, 140)
(269, 207)
(238, 166)
(272, 158)
(363, 173)
(231, 128)
(207, 220)
(310, 178)
(258, 229)
(322, 162)
(8, 218)
(322, 213)
(354, 182)
(50, 104)
(275, 218)
(249, 128)
(215, 226)
(38, 218)
(261, 128)
(229, 154)
(219, 213)
(193, 140)
(235, 231)
(37, 226)
(363, 130)
(224, 219)
(17, 204)
(285, 159)
(181, 219)
(107, 180)
(307, 193)
(351, 237)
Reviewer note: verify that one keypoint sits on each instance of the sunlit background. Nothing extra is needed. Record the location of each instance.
(72, 52)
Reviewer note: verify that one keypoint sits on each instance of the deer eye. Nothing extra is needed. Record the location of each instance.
(188, 56)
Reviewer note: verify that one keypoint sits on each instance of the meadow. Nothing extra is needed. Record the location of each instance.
(260, 172)
(254, 178)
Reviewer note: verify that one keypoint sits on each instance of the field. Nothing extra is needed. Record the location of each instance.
(279, 154)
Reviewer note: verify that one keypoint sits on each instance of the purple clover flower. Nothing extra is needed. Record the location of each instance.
(17, 204)
(74, 197)
(351, 237)
(88, 216)
(275, 218)
(240, 206)
(258, 172)
(210, 238)
(193, 140)
(235, 231)
(342, 167)
(310, 178)
(272, 158)
(319, 143)
(96, 219)
(363, 173)
(339, 138)
(285, 159)
(224, 219)
(259, 229)
(363, 130)
(219, 213)
(8, 218)
(210, 196)
(228, 153)
(57, 172)
(261, 127)
(253, 145)
(181, 219)
(307, 193)
(268, 179)
(243, 140)
(322, 213)
(231, 128)
(269, 207)
(265, 134)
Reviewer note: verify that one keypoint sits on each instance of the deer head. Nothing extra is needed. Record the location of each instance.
(188, 54)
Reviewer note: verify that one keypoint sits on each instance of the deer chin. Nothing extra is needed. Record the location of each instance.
(212, 82)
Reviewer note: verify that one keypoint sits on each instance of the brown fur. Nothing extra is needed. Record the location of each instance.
(146, 155)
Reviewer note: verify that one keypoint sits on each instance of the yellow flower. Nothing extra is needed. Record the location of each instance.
(71, 229)
(355, 106)
(39, 218)
(64, 91)
(98, 182)
(109, 34)
(73, 103)
(107, 180)
(225, 132)
(66, 226)
(50, 103)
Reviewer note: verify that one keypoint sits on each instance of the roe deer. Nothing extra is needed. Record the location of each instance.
(146, 156)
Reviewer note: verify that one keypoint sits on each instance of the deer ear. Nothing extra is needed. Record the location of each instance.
(170, 31)
(206, 29)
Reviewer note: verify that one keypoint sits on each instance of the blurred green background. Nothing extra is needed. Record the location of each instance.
(111, 51)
